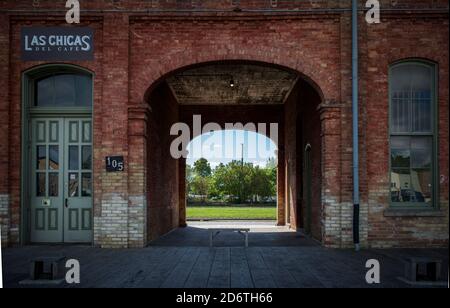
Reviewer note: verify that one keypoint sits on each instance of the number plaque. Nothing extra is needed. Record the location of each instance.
(115, 164)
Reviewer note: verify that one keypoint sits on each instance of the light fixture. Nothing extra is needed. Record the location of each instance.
(232, 83)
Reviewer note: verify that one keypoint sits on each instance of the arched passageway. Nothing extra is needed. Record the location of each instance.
(231, 175)
(234, 93)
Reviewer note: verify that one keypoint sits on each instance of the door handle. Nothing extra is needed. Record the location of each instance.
(66, 203)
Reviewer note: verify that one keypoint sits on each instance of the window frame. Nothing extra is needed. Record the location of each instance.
(434, 134)
(48, 71)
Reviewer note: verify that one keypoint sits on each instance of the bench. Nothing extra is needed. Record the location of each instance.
(216, 231)
(46, 271)
(46, 268)
(419, 269)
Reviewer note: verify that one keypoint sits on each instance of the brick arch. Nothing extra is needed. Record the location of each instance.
(150, 76)
(408, 56)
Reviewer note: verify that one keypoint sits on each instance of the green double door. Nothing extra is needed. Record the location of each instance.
(61, 180)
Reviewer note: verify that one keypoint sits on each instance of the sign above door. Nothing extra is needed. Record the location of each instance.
(57, 44)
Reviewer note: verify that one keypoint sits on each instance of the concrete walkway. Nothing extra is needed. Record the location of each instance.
(262, 234)
(276, 258)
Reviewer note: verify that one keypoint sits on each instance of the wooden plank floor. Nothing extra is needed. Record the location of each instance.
(221, 267)
(277, 258)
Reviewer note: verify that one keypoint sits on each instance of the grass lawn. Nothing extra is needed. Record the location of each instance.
(231, 212)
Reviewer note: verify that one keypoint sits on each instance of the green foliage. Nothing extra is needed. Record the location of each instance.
(262, 184)
(189, 178)
(235, 182)
(202, 168)
(201, 186)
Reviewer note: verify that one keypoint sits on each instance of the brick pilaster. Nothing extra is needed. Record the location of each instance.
(4, 129)
(330, 116)
(111, 221)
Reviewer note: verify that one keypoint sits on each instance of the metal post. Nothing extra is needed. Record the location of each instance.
(355, 107)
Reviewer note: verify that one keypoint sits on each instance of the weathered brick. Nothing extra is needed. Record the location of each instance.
(133, 109)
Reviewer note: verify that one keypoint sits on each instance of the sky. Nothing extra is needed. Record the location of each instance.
(226, 145)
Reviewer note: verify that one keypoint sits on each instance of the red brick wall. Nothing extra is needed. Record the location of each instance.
(162, 194)
(233, 114)
(134, 51)
(4, 132)
(4, 107)
(398, 38)
(303, 126)
(16, 68)
(311, 131)
(283, 42)
(290, 158)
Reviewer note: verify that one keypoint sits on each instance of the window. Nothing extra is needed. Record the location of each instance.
(412, 140)
(63, 90)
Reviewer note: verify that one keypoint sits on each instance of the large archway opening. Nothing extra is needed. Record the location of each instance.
(231, 175)
(238, 93)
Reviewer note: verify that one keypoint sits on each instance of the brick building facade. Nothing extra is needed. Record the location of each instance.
(143, 53)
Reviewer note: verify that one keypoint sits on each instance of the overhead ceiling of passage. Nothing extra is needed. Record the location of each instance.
(212, 85)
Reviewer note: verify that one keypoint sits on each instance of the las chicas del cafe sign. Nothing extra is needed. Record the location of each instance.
(59, 43)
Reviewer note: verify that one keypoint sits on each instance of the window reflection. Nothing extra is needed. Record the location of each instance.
(86, 186)
(73, 157)
(53, 184)
(64, 90)
(87, 157)
(41, 153)
(44, 92)
(40, 185)
(412, 98)
(421, 149)
(73, 184)
(411, 163)
(411, 186)
(54, 157)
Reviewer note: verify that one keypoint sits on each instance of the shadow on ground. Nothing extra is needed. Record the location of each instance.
(278, 259)
(262, 234)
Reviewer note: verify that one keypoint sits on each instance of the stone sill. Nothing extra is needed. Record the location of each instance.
(413, 213)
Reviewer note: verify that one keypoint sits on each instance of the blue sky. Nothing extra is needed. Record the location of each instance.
(226, 145)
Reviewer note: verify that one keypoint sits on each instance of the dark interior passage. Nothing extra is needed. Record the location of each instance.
(237, 93)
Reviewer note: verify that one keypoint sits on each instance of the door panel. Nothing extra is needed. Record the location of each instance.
(78, 181)
(46, 194)
(61, 180)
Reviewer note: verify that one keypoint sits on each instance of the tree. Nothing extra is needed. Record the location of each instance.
(200, 186)
(234, 180)
(189, 178)
(271, 163)
(262, 185)
(202, 168)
